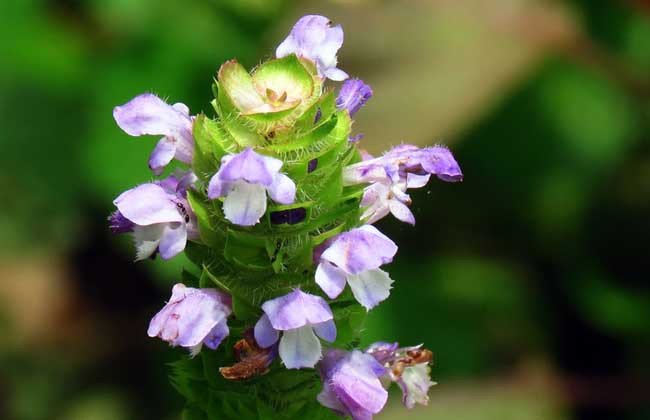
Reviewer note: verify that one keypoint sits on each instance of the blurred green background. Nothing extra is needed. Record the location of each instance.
(529, 280)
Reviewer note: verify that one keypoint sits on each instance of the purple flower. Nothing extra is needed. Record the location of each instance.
(397, 163)
(313, 38)
(355, 257)
(408, 367)
(298, 315)
(117, 223)
(382, 198)
(399, 169)
(148, 114)
(244, 179)
(351, 385)
(192, 318)
(353, 95)
(159, 216)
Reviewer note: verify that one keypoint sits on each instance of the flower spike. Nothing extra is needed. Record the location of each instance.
(280, 209)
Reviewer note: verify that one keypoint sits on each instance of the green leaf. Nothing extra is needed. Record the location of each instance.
(206, 149)
(193, 413)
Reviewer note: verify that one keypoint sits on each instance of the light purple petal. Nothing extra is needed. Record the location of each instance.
(282, 190)
(191, 317)
(265, 334)
(357, 386)
(326, 330)
(148, 114)
(370, 287)
(197, 315)
(147, 204)
(218, 188)
(335, 74)
(299, 348)
(250, 167)
(416, 181)
(383, 352)
(173, 240)
(353, 95)
(245, 203)
(312, 37)
(182, 108)
(216, 335)
(375, 213)
(367, 171)
(360, 249)
(117, 223)
(402, 160)
(185, 180)
(327, 397)
(401, 211)
(296, 309)
(439, 161)
(331, 279)
(147, 239)
(331, 358)
(161, 155)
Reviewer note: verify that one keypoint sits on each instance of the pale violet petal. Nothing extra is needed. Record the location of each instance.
(326, 330)
(373, 214)
(147, 204)
(217, 187)
(331, 279)
(370, 287)
(282, 190)
(198, 314)
(182, 108)
(297, 309)
(245, 203)
(360, 249)
(147, 239)
(401, 211)
(161, 155)
(173, 240)
(335, 74)
(357, 386)
(416, 181)
(148, 114)
(216, 335)
(300, 348)
(327, 397)
(250, 167)
(265, 334)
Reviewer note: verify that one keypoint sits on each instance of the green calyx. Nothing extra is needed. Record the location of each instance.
(270, 98)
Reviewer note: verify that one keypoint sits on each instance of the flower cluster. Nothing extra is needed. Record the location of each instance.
(278, 204)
